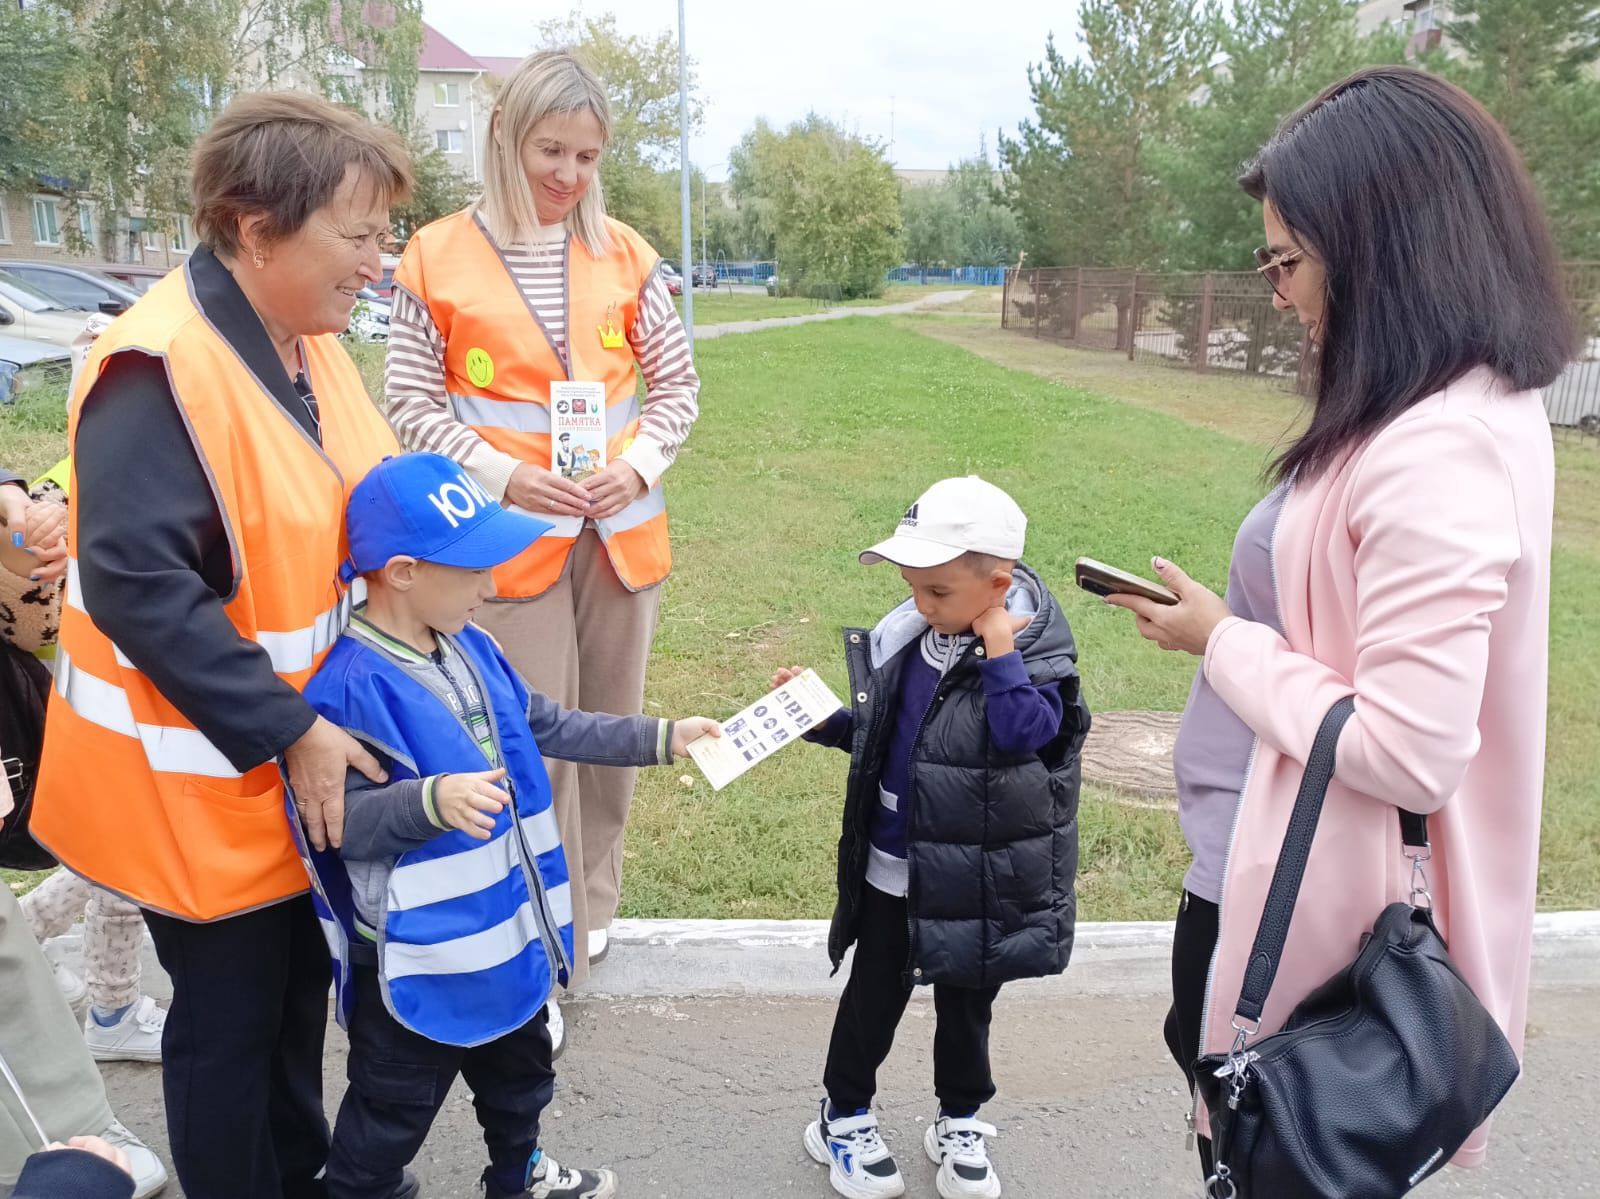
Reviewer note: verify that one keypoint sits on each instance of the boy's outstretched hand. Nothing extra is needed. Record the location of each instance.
(470, 802)
(691, 728)
(785, 674)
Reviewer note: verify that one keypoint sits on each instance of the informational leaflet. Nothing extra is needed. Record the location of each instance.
(577, 429)
(763, 728)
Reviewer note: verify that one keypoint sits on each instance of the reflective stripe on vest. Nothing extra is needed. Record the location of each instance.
(194, 836)
(291, 652)
(453, 267)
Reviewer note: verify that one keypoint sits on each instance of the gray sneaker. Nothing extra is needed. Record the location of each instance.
(149, 1175)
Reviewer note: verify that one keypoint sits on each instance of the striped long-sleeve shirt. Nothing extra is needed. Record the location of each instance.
(416, 403)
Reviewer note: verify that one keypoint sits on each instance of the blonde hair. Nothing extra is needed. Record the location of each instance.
(550, 83)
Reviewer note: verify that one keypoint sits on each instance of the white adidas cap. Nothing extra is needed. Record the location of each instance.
(951, 518)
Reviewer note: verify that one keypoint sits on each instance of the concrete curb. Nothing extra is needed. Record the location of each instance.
(789, 959)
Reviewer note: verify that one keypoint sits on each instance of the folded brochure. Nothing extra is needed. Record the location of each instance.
(577, 429)
(763, 728)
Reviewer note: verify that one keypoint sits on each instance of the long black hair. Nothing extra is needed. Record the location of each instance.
(1438, 254)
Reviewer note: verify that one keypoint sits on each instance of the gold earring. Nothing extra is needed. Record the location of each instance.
(259, 260)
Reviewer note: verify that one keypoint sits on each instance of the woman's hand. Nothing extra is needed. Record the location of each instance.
(692, 728)
(14, 505)
(317, 765)
(613, 489)
(1186, 625)
(545, 493)
(45, 537)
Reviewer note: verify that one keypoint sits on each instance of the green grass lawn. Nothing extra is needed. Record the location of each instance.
(811, 443)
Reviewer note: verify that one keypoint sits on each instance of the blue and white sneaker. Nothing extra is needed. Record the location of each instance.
(860, 1165)
(957, 1147)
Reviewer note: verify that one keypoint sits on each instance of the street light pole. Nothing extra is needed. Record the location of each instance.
(683, 176)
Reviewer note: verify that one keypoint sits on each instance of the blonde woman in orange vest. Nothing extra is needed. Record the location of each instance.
(217, 429)
(510, 320)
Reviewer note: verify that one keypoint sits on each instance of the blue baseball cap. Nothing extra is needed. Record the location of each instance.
(428, 507)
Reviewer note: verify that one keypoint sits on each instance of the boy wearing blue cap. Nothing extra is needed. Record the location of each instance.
(448, 907)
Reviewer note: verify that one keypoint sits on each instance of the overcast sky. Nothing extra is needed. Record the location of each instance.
(933, 73)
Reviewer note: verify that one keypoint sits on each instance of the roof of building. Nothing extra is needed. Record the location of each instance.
(439, 53)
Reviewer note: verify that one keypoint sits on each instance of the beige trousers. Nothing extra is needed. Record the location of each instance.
(113, 933)
(585, 644)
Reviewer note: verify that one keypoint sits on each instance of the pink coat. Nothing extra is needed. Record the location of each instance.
(1416, 575)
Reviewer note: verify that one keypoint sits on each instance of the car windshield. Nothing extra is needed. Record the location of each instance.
(28, 297)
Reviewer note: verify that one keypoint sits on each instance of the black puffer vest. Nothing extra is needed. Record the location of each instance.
(992, 838)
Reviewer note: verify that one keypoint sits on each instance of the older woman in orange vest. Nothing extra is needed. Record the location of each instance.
(515, 320)
(217, 429)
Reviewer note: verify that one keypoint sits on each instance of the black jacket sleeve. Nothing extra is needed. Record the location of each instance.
(154, 564)
(74, 1172)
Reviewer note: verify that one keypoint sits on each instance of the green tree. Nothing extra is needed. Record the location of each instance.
(991, 235)
(932, 225)
(1533, 63)
(36, 62)
(1274, 56)
(1080, 173)
(828, 200)
(440, 190)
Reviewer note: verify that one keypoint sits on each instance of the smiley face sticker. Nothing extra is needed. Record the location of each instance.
(480, 367)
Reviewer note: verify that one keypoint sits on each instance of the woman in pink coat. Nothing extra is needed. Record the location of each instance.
(1402, 557)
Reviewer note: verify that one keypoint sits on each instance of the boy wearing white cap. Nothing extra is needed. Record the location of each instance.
(960, 825)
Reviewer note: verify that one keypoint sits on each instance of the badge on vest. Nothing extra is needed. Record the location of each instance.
(480, 367)
(611, 335)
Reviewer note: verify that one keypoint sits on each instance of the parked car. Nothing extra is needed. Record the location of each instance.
(385, 285)
(673, 280)
(35, 315)
(28, 364)
(704, 274)
(134, 275)
(79, 286)
(369, 320)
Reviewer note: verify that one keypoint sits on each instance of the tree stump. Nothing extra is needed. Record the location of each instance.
(1130, 754)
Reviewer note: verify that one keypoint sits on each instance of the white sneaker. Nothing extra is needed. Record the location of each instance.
(149, 1175)
(860, 1165)
(134, 1038)
(957, 1148)
(558, 1027)
(73, 989)
(599, 945)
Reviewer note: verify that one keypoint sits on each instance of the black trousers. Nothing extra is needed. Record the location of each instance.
(1194, 940)
(241, 1057)
(875, 998)
(399, 1079)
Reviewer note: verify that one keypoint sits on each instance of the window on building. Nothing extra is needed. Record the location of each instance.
(446, 95)
(183, 236)
(46, 221)
(450, 141)
(151, 240)
(5, 230)
(86, 226)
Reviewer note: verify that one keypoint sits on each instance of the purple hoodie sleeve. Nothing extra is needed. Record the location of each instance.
(1023, 718)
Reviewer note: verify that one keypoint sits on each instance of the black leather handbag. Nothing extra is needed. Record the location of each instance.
(1380, 1074)
(24, 685)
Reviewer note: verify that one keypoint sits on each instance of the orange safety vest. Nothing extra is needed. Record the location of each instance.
(130, 794)
(499, 363)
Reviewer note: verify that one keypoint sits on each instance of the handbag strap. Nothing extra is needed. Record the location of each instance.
(1267, 951)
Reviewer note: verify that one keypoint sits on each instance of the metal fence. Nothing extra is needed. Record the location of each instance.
(1226, 321)
(970, 276)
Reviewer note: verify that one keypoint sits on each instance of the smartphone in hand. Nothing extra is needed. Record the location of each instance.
(1099, 579)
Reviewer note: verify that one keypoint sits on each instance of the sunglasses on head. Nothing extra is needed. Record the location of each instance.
(1274, 267)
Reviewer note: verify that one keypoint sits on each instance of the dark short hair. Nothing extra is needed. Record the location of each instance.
(1438, 254)
(982, 564)
(283, 155)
